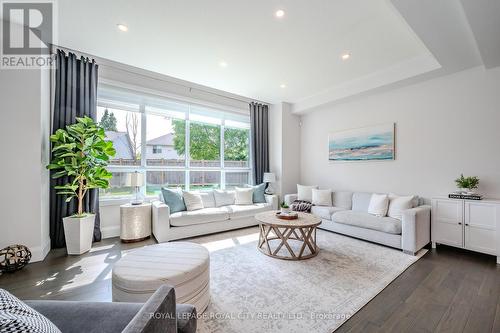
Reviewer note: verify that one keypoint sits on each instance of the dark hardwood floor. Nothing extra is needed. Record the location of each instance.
(448, 290)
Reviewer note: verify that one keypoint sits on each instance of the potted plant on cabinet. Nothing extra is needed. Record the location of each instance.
(467, 184)
(81, 153)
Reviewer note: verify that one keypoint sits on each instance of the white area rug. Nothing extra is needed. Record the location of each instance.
(251, 292)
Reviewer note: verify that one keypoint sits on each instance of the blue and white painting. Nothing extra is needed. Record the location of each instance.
(362, 144)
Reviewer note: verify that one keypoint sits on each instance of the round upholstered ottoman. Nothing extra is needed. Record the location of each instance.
(183, 265)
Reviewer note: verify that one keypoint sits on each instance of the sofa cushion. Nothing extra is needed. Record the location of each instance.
(305, 192)
(342, 199)
(224, 198)
(201, 216)
(378, 204)
(16, 316)
(208, 199)
(258, 195)
(398, 204)
(361, 201)
(192, 200)
(173, 199)
(325, 212)
(243, 196)
(237, 211)
(322, 197)
(368, 221)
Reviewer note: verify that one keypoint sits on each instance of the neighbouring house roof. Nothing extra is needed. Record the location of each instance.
(121, 143)
(164, 140)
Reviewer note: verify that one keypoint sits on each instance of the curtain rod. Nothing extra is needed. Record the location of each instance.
(111, 62)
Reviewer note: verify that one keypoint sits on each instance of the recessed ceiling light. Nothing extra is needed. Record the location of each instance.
(283, 86)
(279, 13)
(223, 64)
(122, 27)
(345, 56)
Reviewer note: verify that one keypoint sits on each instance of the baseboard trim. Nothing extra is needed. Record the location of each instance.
(39, 253)
(110, 232)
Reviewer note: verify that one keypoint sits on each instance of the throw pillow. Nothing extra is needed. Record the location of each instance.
(304, 192)
(321, 197)
(378, 204)
(398, 204)
(192, 200)
(208, 199)
(301, 206)
(224, 198)
(259, 193)
(15, 316)
(243, 196)
(173, 199)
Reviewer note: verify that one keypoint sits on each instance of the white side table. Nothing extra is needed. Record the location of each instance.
(135, 222)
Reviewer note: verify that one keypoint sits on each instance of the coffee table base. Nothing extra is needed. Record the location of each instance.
(305, 235)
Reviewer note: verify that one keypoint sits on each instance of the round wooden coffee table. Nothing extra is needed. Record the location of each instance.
(276, 233)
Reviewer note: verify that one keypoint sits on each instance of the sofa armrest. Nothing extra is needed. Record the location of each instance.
(161, 220)
(290, 198)
(273, 200)
(416, 228)
(158, 314)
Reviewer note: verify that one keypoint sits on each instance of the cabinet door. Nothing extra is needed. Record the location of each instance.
(447, 217)
(480, 227)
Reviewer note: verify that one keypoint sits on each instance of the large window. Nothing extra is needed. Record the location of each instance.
(174, 144)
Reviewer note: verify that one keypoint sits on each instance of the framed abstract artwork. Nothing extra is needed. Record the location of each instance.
(363, 144)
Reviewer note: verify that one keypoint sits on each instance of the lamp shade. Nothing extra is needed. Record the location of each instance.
(135, 179)
(269, 177)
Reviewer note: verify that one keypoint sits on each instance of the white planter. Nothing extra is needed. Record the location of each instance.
(79, 232)
(285, 210)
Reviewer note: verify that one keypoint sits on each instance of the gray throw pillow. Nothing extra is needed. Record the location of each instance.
(15, 316)
(173, 199)
(259, 193)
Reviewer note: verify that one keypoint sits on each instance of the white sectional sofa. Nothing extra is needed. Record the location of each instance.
(349, 216)
(167, 227)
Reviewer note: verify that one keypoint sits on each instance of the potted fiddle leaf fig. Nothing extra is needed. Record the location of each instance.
(81, 153)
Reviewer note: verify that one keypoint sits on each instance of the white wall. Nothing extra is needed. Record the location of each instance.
(444, 127)
(284, 147)
(24, 130)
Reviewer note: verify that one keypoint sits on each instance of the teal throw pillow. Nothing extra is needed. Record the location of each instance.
(173, 198)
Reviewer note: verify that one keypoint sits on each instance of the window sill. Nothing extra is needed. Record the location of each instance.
(103, 202)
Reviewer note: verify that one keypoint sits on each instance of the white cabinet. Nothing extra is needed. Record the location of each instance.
(468, 224)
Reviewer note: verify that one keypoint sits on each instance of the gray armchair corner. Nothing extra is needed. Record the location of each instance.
(158, 314)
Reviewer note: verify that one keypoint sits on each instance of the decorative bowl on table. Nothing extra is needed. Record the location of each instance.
(287, 216)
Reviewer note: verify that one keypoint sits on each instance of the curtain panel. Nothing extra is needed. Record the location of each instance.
(75, 96)
(259, 115)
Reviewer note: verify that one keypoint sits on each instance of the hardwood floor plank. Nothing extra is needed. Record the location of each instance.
(457, 314)
(496, 323)
(484, 305)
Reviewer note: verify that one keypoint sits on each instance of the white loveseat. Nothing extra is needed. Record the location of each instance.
(167, 227)
(349, 216)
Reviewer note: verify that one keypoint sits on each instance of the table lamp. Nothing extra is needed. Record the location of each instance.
(136, 180)
(269, 177)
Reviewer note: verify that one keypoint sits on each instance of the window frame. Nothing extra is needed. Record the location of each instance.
(187, 168)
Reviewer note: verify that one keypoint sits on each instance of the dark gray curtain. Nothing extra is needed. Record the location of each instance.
(260, 140)
(75, 96)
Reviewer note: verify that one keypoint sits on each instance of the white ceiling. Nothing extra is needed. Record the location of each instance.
(187, 39)
(391, 42)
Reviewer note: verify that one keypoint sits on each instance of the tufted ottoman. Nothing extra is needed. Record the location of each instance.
(183, 265)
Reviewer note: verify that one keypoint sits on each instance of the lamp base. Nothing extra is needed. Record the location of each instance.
(138, 198)
(269, 189)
